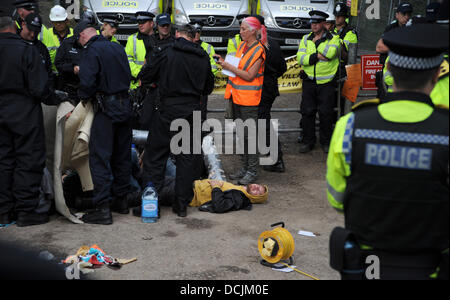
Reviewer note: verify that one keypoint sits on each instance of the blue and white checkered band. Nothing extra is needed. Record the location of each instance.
(415, 63)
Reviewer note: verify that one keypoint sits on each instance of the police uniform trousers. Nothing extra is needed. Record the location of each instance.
(317, 98)
(22, 155)
(189, 166)
(149, 106)
(110, 150)
(264, 113)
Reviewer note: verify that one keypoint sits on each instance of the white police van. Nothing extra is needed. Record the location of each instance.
(219, 17)
(288, 20)
(123, 11)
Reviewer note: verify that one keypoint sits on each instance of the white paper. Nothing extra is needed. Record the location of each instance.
(234, 61)
(285, 270)
(306, 233)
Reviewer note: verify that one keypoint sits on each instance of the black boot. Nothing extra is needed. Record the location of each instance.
(120, 205)
(29, 219)
(101, 215)
(5, 219)
(277, 168)
(305, 148)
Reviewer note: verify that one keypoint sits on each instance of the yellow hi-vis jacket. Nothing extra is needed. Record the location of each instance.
(210, 50)
(320, 71)
(136, 53)
(233, 44)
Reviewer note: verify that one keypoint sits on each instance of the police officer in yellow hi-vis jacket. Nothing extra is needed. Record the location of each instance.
(388, 169)
(318, 55)
(135, 48)
(53, 37)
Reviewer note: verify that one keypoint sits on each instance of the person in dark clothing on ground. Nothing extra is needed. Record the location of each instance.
(275, 67)
(183, 74)
(105, 78)
(23, 85)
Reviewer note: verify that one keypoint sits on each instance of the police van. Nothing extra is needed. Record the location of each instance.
(218, 16)
(123, 11)
(288, 20)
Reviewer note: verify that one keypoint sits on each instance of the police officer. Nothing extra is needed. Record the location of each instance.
(157, 44)
(137, 44)
(23, 83)
(67, 62)
(346, 33)
(388, 172)
(104, 80)
(23, 8)
(183, 74)
(31, 27)
(58, 33)
(109, 29)
(440, 93)
(402, 16)
(318, 55)
(234, 42)
(198, 25)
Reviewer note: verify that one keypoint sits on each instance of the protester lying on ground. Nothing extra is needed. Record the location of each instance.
(213, 195)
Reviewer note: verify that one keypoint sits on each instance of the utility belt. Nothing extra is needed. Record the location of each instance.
(116, 106)
(347, 257)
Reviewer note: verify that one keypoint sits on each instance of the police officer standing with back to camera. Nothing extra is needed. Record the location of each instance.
(157, 44)
(104, 80)
(318, 55)
(183, 74)
(23, 85)
(388, 168)
(211, 52)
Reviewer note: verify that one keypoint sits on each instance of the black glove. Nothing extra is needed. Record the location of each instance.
(61, 97)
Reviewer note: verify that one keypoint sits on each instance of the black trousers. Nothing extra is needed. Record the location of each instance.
(317, 98)
(265, 107)
(157, 151)
(22, 155)
(110, 152)
(148, 109)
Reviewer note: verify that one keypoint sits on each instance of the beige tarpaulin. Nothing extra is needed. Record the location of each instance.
(72, 151)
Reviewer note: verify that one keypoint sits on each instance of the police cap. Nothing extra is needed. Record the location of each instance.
(27, 4)
(144, 16)
(80, 27)
(111, 21)
(405, 7)
(198, 25)
(341, 10)
(418, 47)
(163, 19)
(318, 16)
(34, 22)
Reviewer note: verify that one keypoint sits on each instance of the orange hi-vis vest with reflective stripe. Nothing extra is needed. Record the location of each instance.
(247, 93)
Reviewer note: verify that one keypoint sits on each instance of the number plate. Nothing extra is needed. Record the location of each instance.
(212, 39)
(292, 42)
(122, 37)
